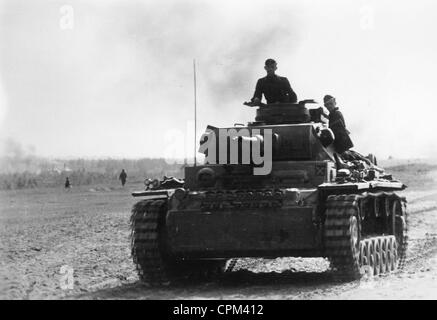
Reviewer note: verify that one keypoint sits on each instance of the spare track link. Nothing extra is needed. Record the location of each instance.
(373, 255)
(145, 244)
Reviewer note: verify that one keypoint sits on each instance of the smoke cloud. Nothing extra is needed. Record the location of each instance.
(14, 157)
(122, 76)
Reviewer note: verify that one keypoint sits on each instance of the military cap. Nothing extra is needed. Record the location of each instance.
(327, 98)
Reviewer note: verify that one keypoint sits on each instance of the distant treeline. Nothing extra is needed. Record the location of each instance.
(415, 174)
(52, 173)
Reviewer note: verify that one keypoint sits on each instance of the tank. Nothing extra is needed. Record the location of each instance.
(307, 201)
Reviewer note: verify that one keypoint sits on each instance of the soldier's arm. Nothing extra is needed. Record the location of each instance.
(258, 90)
(291, 93)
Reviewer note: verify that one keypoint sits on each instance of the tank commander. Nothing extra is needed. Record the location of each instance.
(342, 140)
(275, 88)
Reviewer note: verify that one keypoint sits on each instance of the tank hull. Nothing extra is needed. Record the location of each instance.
(255, 232)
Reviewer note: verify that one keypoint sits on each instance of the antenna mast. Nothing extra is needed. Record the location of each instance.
(195, 113)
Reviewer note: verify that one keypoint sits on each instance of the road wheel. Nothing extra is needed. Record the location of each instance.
(384, 254)
(377, 254)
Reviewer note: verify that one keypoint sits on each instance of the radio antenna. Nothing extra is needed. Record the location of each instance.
(195, 112)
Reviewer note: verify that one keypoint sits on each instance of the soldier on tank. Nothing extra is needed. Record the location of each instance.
(342, 140)
(275, 88)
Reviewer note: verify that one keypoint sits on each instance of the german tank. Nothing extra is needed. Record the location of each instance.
(303, 200)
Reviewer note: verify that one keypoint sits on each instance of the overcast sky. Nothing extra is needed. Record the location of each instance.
(115, 78)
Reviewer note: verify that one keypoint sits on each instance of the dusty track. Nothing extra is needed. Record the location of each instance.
(88, 231)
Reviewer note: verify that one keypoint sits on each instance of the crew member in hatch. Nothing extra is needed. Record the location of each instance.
(276, 89)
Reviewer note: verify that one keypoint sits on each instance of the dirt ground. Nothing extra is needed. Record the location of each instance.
(51, 236)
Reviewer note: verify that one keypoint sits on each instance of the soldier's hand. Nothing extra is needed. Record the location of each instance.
(253, 103)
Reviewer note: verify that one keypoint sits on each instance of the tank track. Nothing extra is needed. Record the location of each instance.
(154, 264)
(352, 255)
(145, 246)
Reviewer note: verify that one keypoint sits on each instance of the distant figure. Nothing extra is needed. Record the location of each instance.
(342, 140)
(67, 183)
(123, 177)
(274, 87)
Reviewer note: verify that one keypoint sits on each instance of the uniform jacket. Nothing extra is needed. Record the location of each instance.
(275, 89)
(342, 140)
